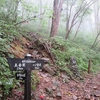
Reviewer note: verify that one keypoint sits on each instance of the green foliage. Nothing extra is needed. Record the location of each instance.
(6, 79)
(8, 32)
(29, 9)
(34, 80)
(63, 50)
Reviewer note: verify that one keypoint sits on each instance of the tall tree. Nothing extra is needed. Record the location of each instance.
(97, 22)
(57, 7)
(40, 25)
(75, 12)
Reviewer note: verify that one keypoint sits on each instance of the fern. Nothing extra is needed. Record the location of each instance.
(81, 52)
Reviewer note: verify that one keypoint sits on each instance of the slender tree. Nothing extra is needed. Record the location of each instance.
(57, 7)
(97, 22)
(75, 13)
(40, 25)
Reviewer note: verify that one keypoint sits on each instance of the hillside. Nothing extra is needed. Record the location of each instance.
(51, 83)
(65, 34)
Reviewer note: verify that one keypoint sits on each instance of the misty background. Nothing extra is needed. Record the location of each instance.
(87, 26)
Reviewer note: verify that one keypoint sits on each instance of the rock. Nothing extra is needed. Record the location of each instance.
(54, 95)
(48, 98)
(46, 59)
(37, 56)
(49, 91)
(96, 94)
(65, 79)
(44, 75)
(75, 97)
(95, 87)
(47, 68)
(56, 83)
(54, 87)
(59, 94)
(87, 97)
(41, 91)
(47, 80)
(74, 68)
(34, 53)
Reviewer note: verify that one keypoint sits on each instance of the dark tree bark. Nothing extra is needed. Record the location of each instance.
(57, 7)
(89, 66)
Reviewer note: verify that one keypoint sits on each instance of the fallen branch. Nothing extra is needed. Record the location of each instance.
(37, 39)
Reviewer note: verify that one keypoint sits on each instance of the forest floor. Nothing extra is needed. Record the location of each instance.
(54, 87)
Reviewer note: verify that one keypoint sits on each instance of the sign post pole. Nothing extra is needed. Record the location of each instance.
(27, 64)
(27, 91)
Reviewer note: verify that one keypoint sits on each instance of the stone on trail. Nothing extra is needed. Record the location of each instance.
(59, 95)
(54, 88)
(34, 53)
(46, 59)
(56, 83)
(96, 94)
(65, 79)
(48, 98)
(49, 91)
(87, 97)
(75, 97)
(47, 68)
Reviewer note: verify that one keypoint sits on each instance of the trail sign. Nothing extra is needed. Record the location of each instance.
(27, 64)
(20, 75)
(17, 64)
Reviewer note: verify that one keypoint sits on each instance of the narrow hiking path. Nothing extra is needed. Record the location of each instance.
(54, 87)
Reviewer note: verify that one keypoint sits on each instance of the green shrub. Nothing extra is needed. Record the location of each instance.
(79, 50)
(35, 80)
(8, 33)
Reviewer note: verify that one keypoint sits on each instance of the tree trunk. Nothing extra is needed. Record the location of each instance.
(57, 7)
(40, 23)
(73, 17)
(97, 23)
(89, 66)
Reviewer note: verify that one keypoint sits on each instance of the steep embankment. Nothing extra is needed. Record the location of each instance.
(53, 85)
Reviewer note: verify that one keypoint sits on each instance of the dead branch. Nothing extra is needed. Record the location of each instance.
(28, 19)
(46, 45)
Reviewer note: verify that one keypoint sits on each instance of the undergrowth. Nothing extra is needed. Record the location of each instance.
(8, 33)
(35, 80)
(64, 49)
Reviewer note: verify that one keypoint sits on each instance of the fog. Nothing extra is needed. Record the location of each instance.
(87, 26)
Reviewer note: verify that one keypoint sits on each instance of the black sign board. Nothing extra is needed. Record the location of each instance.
(24, 67)
(20, 76)
(17, 64)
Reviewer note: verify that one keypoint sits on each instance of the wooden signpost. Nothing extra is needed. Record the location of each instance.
(24, 67)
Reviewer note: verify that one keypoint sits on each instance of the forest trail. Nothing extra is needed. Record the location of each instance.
(55, 87)
(89, 89)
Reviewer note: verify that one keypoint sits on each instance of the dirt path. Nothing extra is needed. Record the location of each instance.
(57, 87)
(89, 89)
